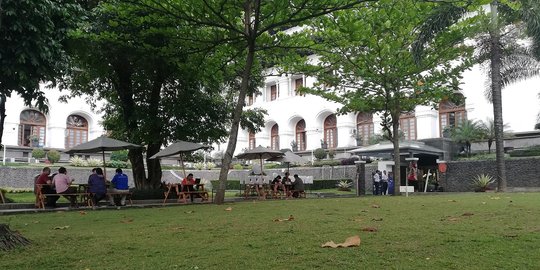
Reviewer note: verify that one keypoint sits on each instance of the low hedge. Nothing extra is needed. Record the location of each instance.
(527, 152)
(150, 194)
(231, 184)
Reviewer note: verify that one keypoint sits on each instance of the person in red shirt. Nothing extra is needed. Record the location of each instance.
(45, 180)
(188, 184)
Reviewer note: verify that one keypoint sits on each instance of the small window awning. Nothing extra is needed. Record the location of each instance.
(406, 148)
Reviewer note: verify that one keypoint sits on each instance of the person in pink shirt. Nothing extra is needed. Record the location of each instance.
(62, 183)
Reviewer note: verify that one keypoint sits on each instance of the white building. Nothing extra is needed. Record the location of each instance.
(64, 126)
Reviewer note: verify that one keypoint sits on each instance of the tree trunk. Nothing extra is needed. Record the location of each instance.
(397, 157)
(10, 239)
(154, 166)
(251, 29)
(496, 85)
(137, 168)
(2, 117)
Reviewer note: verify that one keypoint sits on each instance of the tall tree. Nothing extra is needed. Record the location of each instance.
(245, 27)
(505, 57)
(32, 36)
(489, 130)
(364, 62)
(158, 87)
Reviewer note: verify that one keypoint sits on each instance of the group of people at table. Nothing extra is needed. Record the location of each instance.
(289, 187)
(60, 183)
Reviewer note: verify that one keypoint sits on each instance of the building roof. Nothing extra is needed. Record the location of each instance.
(406, 148)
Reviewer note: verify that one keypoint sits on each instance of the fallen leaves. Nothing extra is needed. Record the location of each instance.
(82, 213)
(375, 206)
(228, 209)
(128, 220)
(61, 227)
(189, 212)
(369, 229)
(290, 218)
(352, 241)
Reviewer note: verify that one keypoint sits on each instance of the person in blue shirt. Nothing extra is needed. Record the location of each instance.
(120, 185)
(96, 185)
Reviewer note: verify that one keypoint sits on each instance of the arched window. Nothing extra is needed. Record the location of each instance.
(32, 128)
(274, 137)
(407, 125)
(76, 130)
(251, 140)
(330, 131)
(301, 135)
(451, 114)
(364, 127)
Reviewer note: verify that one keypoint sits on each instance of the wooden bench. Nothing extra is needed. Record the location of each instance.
(120, 194)
(184, 195)
(301, 193)
(85, 196)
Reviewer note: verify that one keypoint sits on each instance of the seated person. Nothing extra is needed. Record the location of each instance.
(298, 186)
(277, 184)
(62, 182)
(120, 185)
(287, 183)
(45, 180)
(96, 186)
(188, 184)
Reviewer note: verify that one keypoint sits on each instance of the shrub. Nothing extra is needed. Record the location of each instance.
(527, 152)
(53, 156)
(231, 184)
(38, 153)
(344, 185)
(349, 161)
(210, 165)
(94, 162)
(199, 165)
(78, 162)
(481, 182)
(121, 155)
(117, 164)
(319, 153)
(321, 163)
(331, 153)
(238, 166)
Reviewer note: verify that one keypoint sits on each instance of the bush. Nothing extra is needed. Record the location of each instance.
(481, 182)
(238, 166)
(320, 163)
(349, 161)
(94, 162)
(319, 153)
(199, 165)
(78, 162)
(38, 153)
(121, 155)
(231, 184)
(527, 152)
(210, 165)
(53, 156)
(331, 153)
(118, 164)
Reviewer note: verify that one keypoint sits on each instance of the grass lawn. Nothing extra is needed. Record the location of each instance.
(450, 231)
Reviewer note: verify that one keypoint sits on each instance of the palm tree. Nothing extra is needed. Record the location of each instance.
(498, 51)
(489, 131)
(468, 132)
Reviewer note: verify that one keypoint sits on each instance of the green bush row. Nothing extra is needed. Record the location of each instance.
(527, 152)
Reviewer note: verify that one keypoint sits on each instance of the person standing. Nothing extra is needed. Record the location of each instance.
(298, 186)
(96, 186)
(62, 182)
(384, 183)
(120, 185)
(377, 182)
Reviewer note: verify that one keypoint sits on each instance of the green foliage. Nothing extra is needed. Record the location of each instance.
(481, 182)
(238, 166)
(53, 156)
(38, 153)
(319, 153)
(467, 132)
(210, 165)
(344, 185)
(32, 34)
(120, 155)
(77, 161)
(320, 163)
(94, 162)
(527, 152)
(231, 184)
(331, 153)
(198, 165)
(117, 164)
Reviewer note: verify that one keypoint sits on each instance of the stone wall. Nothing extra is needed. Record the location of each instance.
(521, 174)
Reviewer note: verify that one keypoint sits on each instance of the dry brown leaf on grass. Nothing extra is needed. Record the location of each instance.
(375, 206)
(352, 241)
(369, 229)
(82, 213)
(129, 220)
(453, 219)
(290, 218)
(452, 200)
(467, 214)
(61, 227)
(376, 219)
(189, 212)
(228, 209)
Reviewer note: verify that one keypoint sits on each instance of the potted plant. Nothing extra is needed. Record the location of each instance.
(481, 182)
(34, 140)
(344, 185)
(324, 145)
